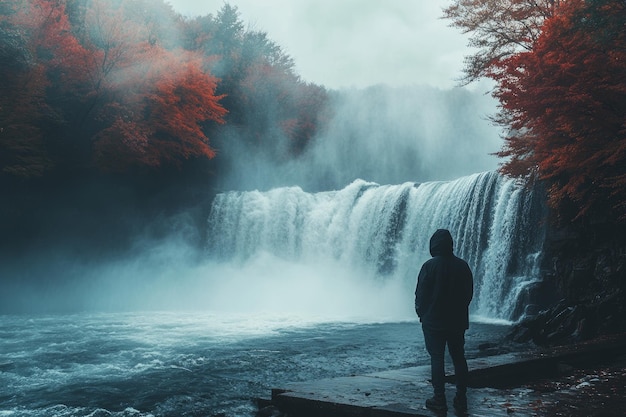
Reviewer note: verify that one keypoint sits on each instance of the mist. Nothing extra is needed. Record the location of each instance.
(172, 275)
(380, 134)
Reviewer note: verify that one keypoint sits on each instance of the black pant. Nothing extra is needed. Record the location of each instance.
(436, 345)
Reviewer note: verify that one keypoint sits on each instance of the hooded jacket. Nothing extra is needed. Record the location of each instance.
(445, 287)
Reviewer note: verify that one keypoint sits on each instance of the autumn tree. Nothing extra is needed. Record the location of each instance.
(498, 29)
(120, 106)
(158, 118)
(275, 112)
(310, 113)
(115, 43)
(138, 102)
(37, 42)
(107, 81)
(562, 98)
(220, 38)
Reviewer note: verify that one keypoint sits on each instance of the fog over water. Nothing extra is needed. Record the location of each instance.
(168, 276)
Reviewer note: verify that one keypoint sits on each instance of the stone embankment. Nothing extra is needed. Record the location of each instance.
(537, 383)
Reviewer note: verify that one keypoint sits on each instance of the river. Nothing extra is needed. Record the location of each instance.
(160, 364)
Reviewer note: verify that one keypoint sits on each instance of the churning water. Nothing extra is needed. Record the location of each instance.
(187, 364)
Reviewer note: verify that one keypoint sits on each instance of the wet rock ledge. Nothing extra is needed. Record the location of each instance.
(583, 290)
(533, 383)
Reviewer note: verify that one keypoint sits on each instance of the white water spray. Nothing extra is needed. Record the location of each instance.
(383, 232)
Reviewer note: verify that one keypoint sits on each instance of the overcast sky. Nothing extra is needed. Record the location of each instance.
(355, 43)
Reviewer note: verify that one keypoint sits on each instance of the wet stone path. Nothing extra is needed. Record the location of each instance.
(578, 380)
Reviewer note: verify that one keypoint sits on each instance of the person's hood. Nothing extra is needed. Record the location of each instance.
(441, 243)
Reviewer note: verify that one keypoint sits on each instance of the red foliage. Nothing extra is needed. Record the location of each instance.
(45, 45)
(103, 81)
(296, 107)
(183, 99)
(566, 104)
(160, 111)
(143, 105)
(154, 102)
(310, 105)
(51, 41)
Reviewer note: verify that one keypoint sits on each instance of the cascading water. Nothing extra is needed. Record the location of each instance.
(384, 230)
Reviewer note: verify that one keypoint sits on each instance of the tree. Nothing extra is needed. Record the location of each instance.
(566, 104)
(273, 109)
(38, 43)
(498, 28)
(311, 112)
(116, 44)
(137, 102)
(22, 112)
(563, 99)
(104, 81)
(158, 117)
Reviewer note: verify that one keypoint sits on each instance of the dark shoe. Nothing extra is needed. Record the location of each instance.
(437, 404)
(460, 403)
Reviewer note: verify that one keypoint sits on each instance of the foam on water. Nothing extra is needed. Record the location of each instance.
(179, 363)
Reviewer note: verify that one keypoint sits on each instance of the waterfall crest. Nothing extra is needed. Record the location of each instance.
(385, 230)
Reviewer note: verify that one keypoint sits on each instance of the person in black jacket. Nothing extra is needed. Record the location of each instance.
(445, 287)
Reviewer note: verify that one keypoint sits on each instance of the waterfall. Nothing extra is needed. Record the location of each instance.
(385, 230)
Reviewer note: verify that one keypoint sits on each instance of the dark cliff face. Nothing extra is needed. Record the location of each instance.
(583, 294)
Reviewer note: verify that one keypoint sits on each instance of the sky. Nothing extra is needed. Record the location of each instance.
(356, 43)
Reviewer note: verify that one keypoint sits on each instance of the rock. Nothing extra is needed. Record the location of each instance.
(269, 411)
(531, 310)
(487, 345)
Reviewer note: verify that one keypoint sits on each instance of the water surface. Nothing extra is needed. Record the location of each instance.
(188, 364)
